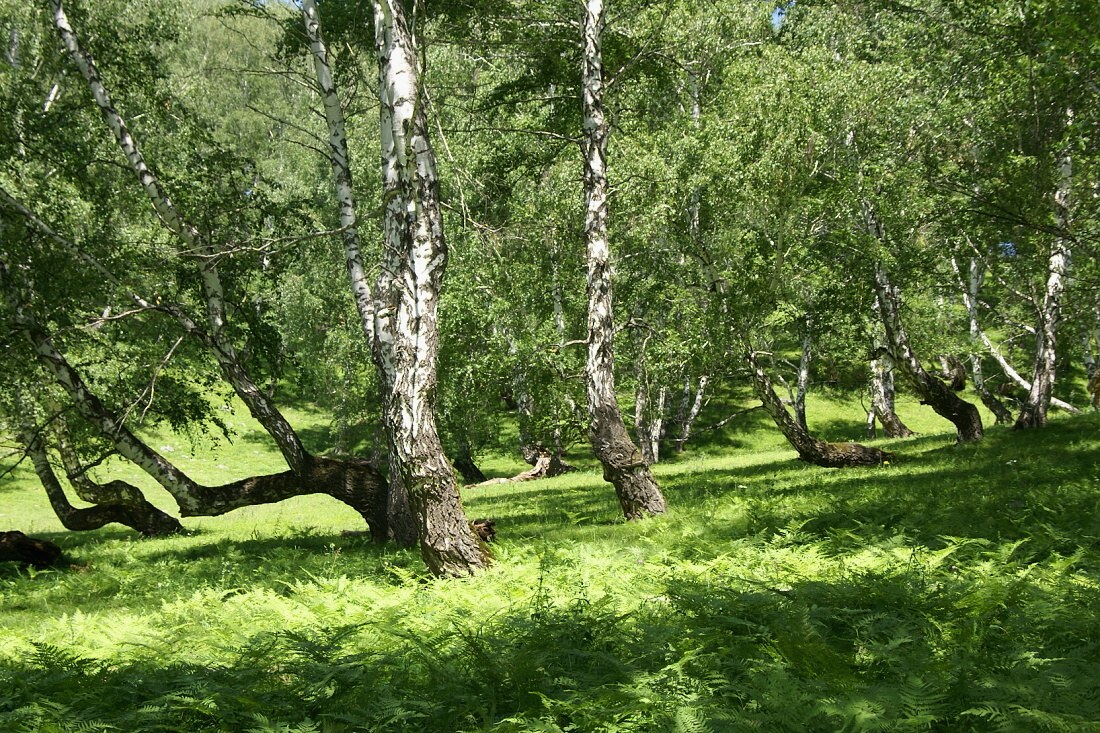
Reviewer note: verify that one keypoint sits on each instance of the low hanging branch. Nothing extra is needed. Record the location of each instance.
(354, 482)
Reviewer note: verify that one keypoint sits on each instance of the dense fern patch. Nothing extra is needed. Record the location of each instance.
(954, 590)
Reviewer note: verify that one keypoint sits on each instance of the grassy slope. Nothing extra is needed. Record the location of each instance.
(952, 590)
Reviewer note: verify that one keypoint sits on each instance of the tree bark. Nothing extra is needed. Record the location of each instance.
(406, 298)
(803, 381)
(402, 524)
(116, 502)
(963, 415)
(810, 449)
(649, 421)
(882, 398)
(687, 420)
(1034, 411)
(623, 464)
(464, 463)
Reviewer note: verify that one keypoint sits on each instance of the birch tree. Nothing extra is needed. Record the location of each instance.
(622, 461)
(400, 314)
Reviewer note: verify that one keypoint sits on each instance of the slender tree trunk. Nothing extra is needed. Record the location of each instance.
(803, 381)
(402, 526)
(810, 449)
(1034, 412)
(648, 418)
(963, 415)
(649, 421)
(406, 298)
(882, 397)
(970, 289)
(464, 463)
(623, 464)
(688, 421)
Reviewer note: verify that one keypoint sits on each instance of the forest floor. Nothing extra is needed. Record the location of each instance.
(955, 588)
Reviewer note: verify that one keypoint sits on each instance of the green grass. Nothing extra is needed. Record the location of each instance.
(954, 589)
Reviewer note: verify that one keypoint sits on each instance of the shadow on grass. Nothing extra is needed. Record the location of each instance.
(1041, 488)
(909, 650)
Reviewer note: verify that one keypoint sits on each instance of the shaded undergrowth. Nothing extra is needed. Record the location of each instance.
(953, 589)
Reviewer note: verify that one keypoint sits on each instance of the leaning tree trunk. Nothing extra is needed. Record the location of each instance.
(406, 300)
(466, 466)
(882, 398)
(214, 338)
(882, 392)
(963, 415)
(353, 482)
(810, 449)
(623, 464)
(402, 526)
(1034, 412)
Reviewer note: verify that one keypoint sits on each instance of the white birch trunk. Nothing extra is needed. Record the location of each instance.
(341, 169)
(963, 415)
(401, 524)
(623, 463)
(1034, 412)
(692, 413)
(803, 381)
(406, 321)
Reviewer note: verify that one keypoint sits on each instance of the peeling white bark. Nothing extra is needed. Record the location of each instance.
(341, 169)
(406, 301)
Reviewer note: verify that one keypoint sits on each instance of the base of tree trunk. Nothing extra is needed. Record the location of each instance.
(843, 455)
(28, 550)
(468, 470)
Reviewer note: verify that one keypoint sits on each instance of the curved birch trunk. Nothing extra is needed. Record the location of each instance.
(257, 402)
(353, 482)
(623, 464)
(882, 391)
(117, 502)
(810, 449)
(963, 415)
(882, 398)
(1034, 412)
(406, 300)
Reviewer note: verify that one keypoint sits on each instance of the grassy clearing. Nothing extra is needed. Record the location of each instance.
(952, 590)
